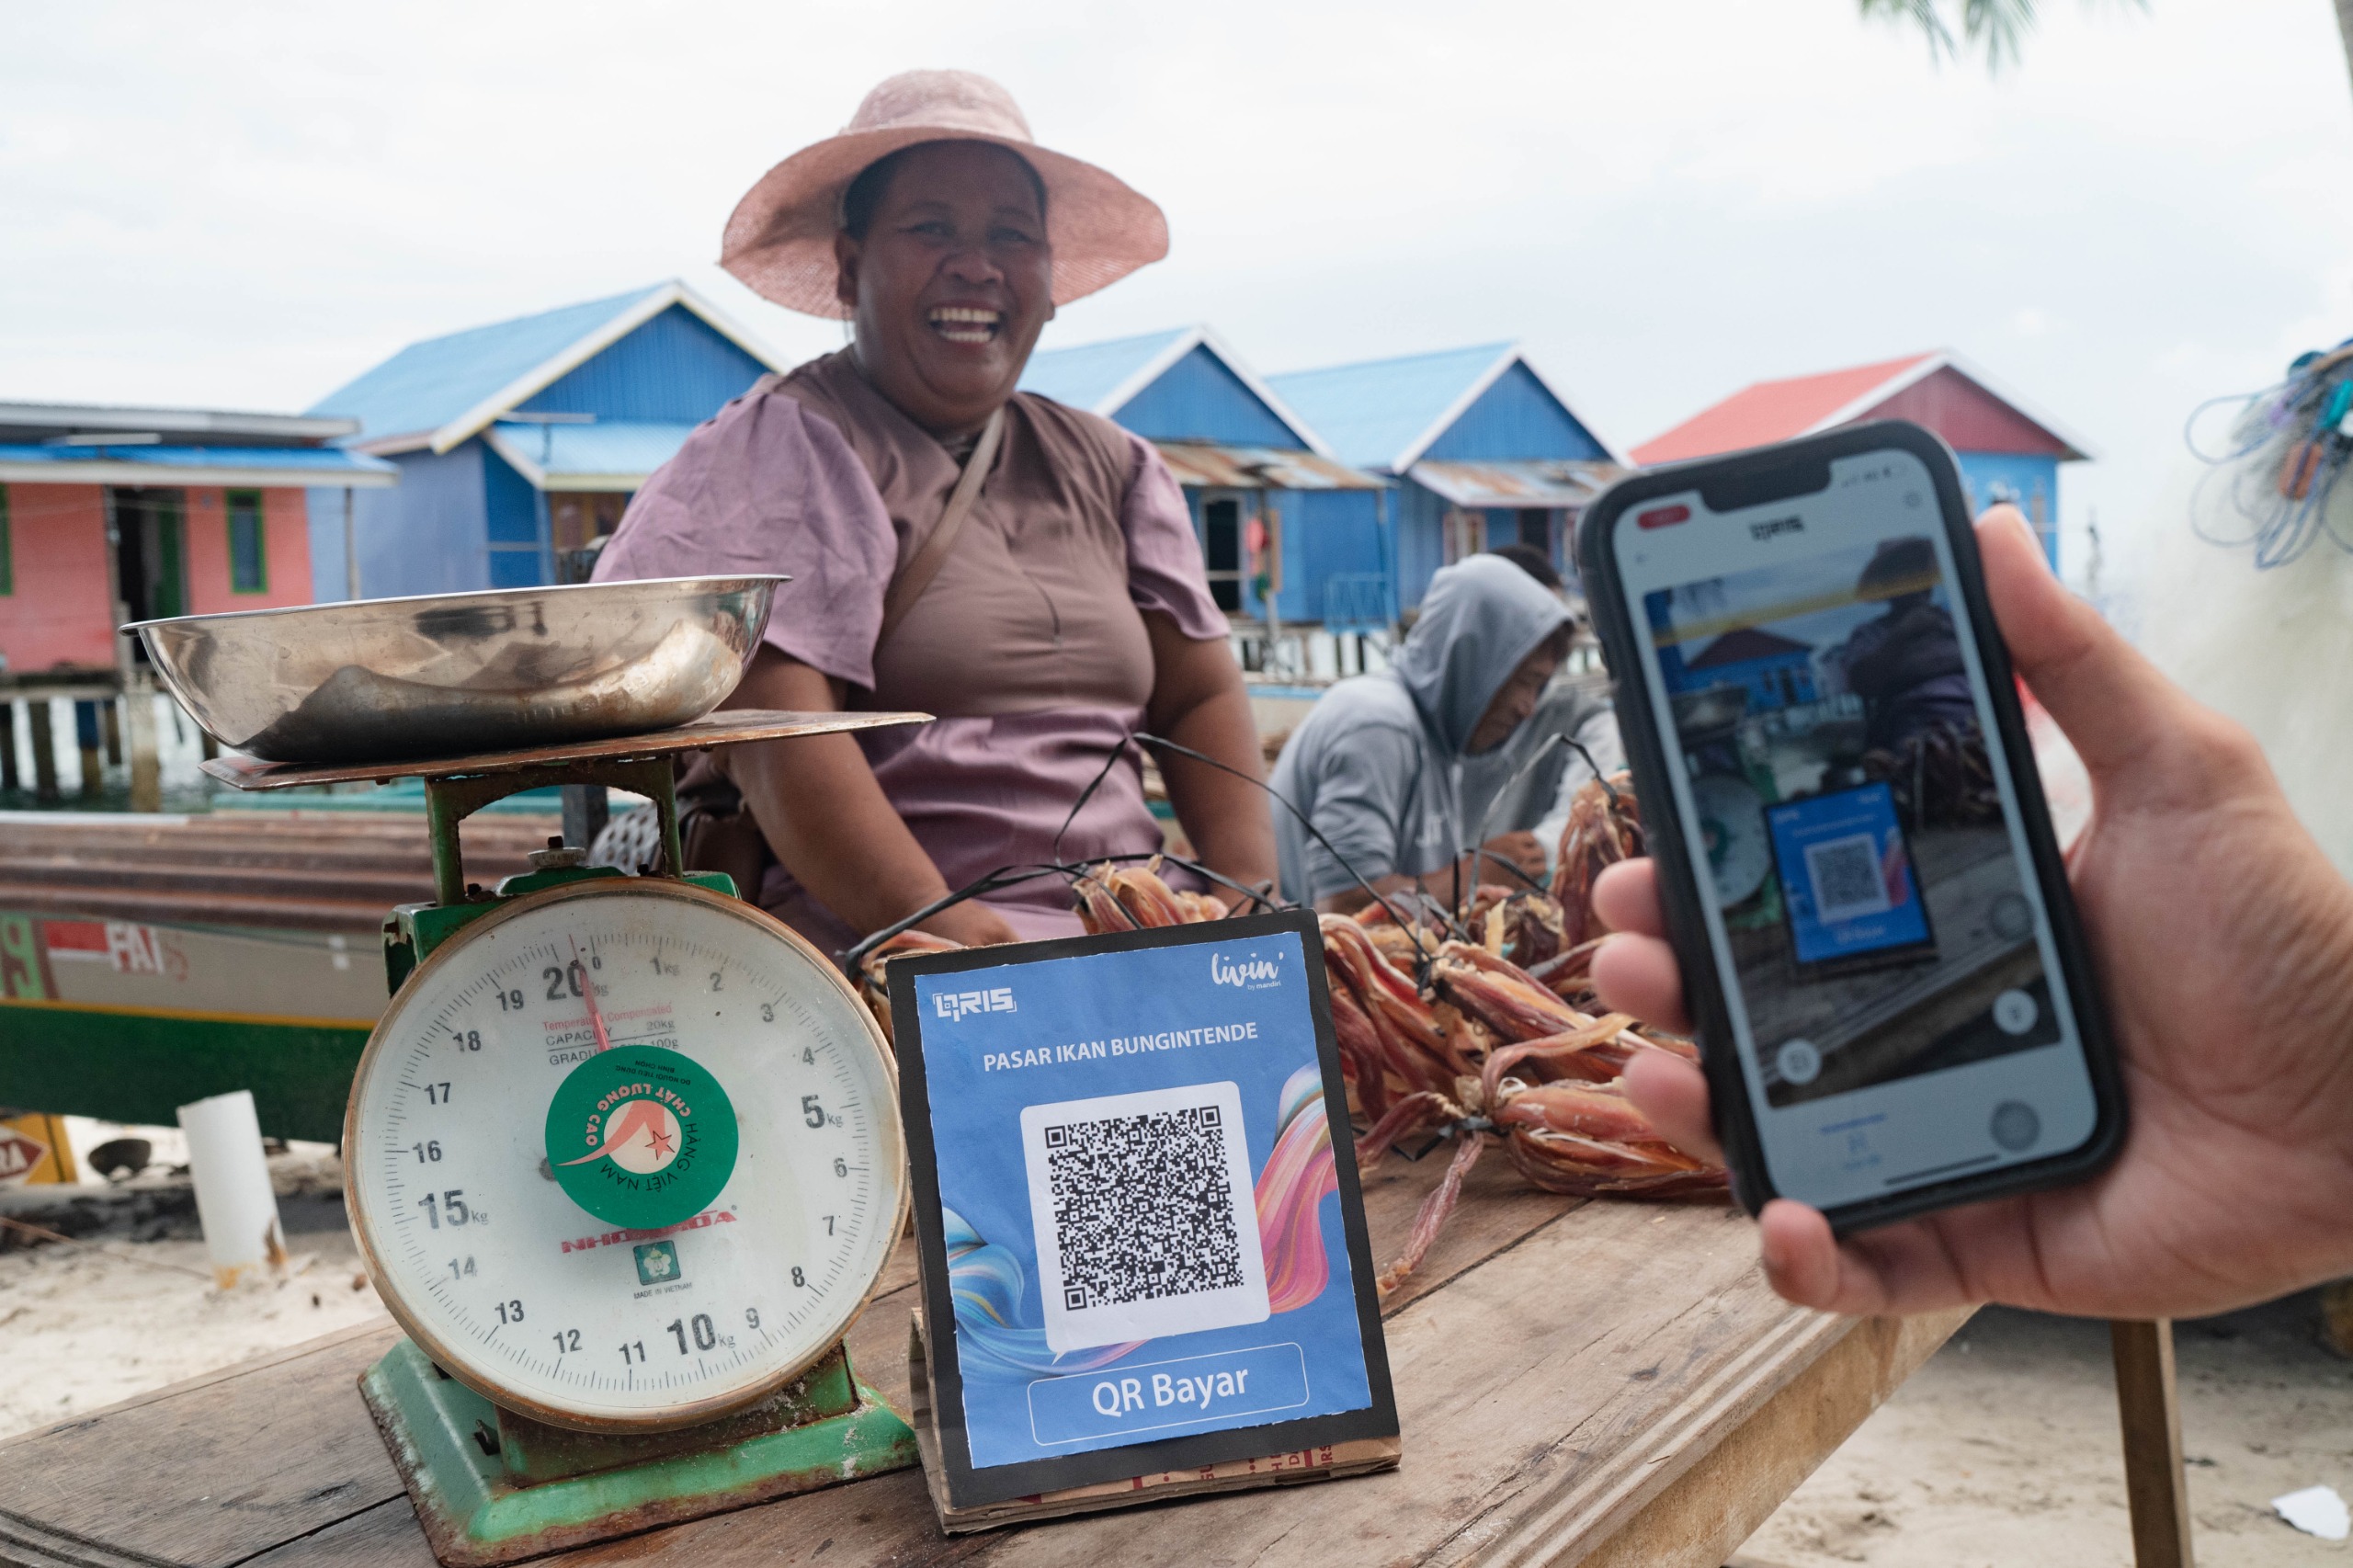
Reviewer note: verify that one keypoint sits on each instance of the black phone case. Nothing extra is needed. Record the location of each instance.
(1679, 890)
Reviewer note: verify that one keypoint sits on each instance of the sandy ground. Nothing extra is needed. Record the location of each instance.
(133, 1307)
(2002, 1450)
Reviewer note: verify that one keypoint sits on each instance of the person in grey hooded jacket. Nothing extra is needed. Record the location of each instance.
(1376, 765)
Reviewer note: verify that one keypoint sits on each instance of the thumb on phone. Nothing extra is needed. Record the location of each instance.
(2111, 702)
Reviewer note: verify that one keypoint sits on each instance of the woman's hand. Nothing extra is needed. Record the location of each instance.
(971, 923)
(2225, 943)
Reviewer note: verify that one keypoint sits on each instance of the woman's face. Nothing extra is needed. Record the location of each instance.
(951, 283)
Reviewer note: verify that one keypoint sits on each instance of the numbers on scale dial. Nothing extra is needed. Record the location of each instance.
(706, 1334)
(452, 1209)
(490, 1021)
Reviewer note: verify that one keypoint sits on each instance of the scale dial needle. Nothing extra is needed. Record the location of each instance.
(588, 990)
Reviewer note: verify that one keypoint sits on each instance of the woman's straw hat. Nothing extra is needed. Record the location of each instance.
(780, 238)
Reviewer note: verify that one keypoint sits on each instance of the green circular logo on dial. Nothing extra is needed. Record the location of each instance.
(642, 1137)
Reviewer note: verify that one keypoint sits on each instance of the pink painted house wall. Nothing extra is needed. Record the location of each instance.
(61, 611)
(286, 552)
(61, 607)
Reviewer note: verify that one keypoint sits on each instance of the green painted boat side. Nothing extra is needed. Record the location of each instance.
(124, 1064)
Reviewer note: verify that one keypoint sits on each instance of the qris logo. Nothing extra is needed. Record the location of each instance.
(955, 1005)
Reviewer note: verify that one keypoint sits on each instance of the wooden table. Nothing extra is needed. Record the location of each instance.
(1593, 1383)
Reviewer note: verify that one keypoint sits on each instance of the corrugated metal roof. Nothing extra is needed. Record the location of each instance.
(1084, 377)
(26, 464)
(1204, 465)
(427, 384)
(1375, 411)
(607, 455)
(1767, 412)
(214, 426)
(1544, 482)
(442, 391)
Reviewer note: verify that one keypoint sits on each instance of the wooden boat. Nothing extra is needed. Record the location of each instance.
(149, 960)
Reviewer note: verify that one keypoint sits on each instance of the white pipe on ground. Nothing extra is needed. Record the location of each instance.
(234, 1199)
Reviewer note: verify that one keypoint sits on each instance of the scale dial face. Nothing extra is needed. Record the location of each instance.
(625, 1155)
(1732, 818)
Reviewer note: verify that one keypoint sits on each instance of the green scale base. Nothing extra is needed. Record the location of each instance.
(493, 1486)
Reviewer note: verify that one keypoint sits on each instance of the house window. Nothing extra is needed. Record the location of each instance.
(7, 548)
(248, 544)
(1222, 551)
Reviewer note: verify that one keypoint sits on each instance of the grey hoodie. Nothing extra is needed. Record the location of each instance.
(1376, 765)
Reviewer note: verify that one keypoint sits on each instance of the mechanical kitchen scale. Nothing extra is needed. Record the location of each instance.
(624, 1159)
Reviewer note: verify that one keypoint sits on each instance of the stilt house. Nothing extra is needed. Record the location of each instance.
(523, 441)
(110, 514)
(1289, 532)
(2008, 450)
(1482, 448)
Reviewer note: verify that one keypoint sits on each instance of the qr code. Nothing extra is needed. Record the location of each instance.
(1143, 1207)
(1145, 1218)
(1846, 877)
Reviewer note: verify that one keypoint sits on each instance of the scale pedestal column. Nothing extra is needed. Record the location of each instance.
(491, 1486)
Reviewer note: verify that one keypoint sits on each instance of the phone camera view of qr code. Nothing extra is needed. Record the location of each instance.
(1847, 880)
(1144, 1214)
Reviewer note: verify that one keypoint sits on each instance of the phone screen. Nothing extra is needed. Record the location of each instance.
(1871, 902)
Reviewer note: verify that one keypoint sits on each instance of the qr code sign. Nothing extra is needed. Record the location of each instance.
(1143, 1207)
(1846, 877)
(1145, 1219)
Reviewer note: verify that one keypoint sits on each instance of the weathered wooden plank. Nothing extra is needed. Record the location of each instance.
(1538, 1343)
(2148, 1402)
(1517, 1383)
(207, 1475)
(1701, 1518)
(386, 1536)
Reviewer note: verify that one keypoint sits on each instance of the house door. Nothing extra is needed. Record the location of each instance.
(151, 554)
(1536, 529)
(1222, 549)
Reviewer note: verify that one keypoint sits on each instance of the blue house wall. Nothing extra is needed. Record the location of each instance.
(515, 533)
(426, 535)
(1199, 399)
(671, 369)
(1421, 539)
(465, 519)
(1516, 419)
(1329, 534)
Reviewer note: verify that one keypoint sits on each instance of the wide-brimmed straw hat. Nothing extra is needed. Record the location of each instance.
(779, 240)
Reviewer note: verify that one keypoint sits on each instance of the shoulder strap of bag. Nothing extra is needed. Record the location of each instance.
(908, 586)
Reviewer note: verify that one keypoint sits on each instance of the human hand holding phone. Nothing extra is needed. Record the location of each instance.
(2225, 939)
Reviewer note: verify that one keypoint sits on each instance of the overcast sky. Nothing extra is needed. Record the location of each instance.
(246, 205)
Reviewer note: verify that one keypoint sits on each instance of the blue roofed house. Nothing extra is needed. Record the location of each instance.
(1281, 520)
(1483, 449)
(522, 440)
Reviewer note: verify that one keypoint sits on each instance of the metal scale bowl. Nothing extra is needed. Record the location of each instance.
(624, 1154)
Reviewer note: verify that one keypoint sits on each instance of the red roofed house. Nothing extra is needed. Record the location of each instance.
(2008, 450)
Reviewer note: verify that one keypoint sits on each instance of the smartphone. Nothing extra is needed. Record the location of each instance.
(1896, 1008)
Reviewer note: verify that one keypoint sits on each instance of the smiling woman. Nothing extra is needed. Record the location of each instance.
(1025, 570)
